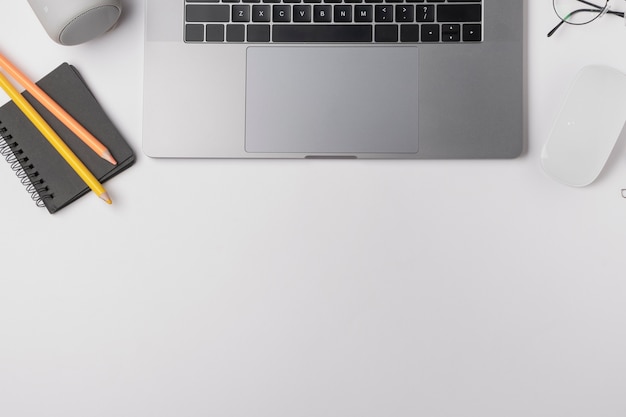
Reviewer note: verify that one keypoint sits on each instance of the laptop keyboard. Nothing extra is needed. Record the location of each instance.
(329, 21)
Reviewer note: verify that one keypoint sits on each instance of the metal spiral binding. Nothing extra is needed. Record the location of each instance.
(25, 171)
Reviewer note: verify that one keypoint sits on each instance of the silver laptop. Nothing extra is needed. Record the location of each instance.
(405, 79)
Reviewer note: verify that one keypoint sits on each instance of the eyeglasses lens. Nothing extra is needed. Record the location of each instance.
(579, 12)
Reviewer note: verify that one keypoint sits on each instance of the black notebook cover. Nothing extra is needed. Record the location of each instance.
(54, 181)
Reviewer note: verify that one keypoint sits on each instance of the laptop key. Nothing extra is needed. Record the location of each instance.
(281, 13)
(261, 13)
(322, 13)
(383, 13)
(386, 33)
(194, 33)
(258, 33)
(215, 33)
(343, 13)
(322, 33)
(472, 33)
(363, 13)
(430, 33)
(459, 13)
(241, 13)
(404, 13)
(451, 33)
(208, 13)
(425, 13)
(235, 33)
(302, 13)
(409, 33)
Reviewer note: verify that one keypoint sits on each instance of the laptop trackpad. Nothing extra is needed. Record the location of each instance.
(333, 100)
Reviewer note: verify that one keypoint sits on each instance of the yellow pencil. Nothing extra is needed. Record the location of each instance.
(54, 139)
(82, 133)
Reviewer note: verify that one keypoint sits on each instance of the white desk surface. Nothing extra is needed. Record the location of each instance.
(315, 288)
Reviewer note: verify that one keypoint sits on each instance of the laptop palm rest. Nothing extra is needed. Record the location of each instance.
(332, 100)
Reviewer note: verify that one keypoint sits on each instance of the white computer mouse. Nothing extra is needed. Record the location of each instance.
(587, 126)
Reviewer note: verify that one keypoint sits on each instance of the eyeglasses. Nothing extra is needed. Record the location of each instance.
(581, 12)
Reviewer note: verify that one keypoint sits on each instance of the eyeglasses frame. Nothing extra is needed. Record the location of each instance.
(599, 10)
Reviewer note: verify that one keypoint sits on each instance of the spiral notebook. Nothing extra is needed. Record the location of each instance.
(51, 182)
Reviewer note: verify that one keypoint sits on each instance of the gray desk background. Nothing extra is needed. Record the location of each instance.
(316, 288)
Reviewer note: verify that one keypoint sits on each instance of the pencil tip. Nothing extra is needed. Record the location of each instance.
(106, 198)
(107, 155)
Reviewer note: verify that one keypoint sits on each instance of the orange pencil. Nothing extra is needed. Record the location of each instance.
(57, 110)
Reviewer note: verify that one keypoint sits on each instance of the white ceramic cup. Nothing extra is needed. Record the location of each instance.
(71, 22)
